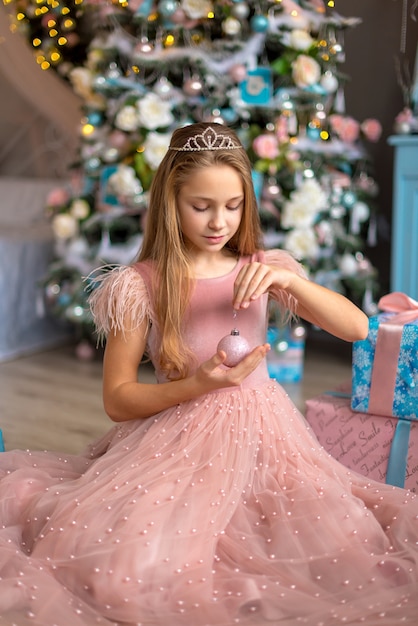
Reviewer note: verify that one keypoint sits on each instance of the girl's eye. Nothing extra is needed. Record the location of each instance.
(200, 208)
(234, 208)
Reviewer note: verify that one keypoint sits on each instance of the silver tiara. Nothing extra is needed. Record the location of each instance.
(208, 140)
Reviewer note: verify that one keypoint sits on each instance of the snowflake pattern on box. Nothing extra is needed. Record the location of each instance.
(405, 399)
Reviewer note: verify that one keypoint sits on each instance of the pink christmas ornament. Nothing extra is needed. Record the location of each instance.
(85, 351)
(144, 47)
(193, 86)
(238, 72)
(235, 346)
(118, 139)
(57, 197)
(179, 17)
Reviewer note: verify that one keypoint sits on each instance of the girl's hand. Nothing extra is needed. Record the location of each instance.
(314, 303)
(212, 374)
(254, 279)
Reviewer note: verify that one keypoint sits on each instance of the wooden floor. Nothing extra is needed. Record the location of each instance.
(52, 400)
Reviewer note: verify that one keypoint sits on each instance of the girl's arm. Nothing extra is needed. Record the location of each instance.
(316, 304)
(125, 397)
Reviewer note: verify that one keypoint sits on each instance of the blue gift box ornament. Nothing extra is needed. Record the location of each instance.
(257, 86)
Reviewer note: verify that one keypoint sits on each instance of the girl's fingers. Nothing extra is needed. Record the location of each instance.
(251, 283)
(251, 361)
(233, 375)
(244, 283)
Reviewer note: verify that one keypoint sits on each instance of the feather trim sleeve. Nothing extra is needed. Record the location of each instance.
(119, 299)
(287, 303)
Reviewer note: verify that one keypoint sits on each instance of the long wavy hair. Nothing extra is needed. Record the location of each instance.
(163, 241)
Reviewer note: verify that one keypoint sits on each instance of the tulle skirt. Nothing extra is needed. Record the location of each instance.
(219, 511)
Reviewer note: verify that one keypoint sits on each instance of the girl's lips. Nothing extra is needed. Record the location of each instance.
(217, 239)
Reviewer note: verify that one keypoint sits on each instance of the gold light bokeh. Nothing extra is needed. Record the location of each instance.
(87, 130)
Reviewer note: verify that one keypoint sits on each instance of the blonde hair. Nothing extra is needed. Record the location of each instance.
(163, 240)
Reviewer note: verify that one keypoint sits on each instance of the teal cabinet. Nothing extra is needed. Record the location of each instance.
(404, 254)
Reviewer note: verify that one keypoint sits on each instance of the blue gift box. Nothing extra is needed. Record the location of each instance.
(385, 378)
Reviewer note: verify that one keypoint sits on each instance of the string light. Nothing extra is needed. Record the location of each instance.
(68, 23)
(51, 19)
(87, 130)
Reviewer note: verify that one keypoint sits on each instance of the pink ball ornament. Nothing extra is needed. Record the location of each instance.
(193, 86)
(238, 72)
(118, 139)
(235, 347)
(72, 39)
(179, 16)
(144, 47)
(272, 191)
(85, 351)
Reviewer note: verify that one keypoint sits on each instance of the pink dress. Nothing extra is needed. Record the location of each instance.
(219, 511)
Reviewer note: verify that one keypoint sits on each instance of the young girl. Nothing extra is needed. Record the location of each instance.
(209, 503)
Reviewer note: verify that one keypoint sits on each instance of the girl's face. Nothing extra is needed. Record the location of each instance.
(210, 206)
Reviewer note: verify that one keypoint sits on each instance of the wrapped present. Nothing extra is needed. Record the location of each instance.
(385, 364)
(382, 448)
(285, 360)
(1, 441)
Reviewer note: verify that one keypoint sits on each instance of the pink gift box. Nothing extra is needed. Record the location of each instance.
(364, 442)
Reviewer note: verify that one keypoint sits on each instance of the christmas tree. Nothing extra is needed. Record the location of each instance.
(270, 69)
